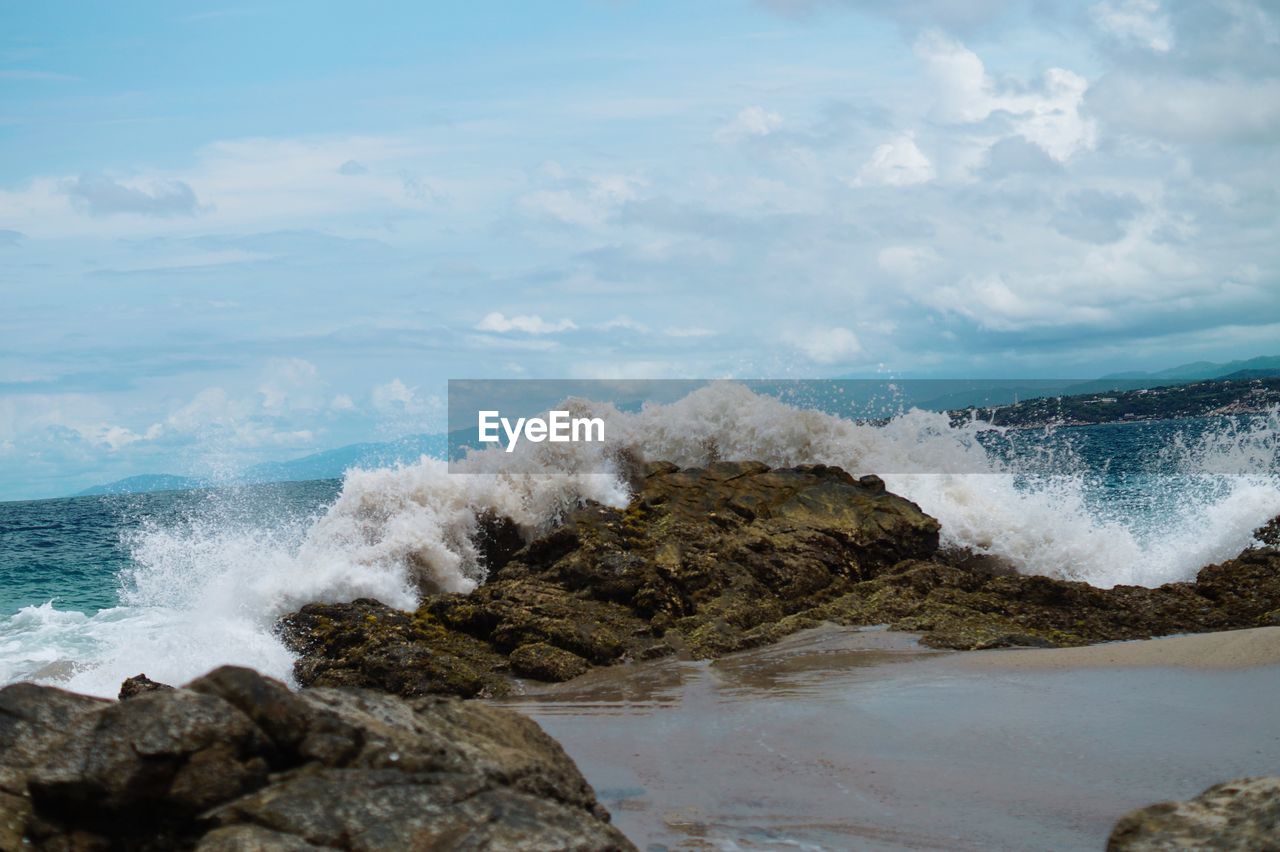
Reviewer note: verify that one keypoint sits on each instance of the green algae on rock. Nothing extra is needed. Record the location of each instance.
(1238, 816)
(704, 562)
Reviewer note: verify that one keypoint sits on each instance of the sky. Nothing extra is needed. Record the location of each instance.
(239, 232)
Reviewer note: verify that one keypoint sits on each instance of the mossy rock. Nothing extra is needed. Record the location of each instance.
(541, 661)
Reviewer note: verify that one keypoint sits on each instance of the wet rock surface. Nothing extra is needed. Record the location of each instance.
(704, 562)
(1236, 816)
(139, 685)
(236, 761)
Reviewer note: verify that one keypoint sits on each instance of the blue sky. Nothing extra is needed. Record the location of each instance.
(232, 233)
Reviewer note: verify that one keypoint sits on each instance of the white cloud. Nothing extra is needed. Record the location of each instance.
(290, 384)
(99, 195)
(233, 184)
(905, 261)
(993, 303)
(1137, 278)
(394, 394)
(751, 121)
(1173, 108)
(1048, 115)
(404, 408)
(111, 437)
(622, 322)
(529, 324)
(223, 423)
(827, 345)
(1142, 21)
(583, 202)
(688, 331)
(898, 162)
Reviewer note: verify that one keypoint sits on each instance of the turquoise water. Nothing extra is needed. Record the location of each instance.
(72, 552)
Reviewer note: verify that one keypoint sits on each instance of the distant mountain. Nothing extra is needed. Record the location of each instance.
(1253, 374)
(330, 464)
(1197, 371)
(144, 484)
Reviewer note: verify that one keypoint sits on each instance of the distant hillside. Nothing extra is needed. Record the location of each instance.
(330, 464)
(864, 394)
(144, 484)
(1170, 402)
(1260, 367)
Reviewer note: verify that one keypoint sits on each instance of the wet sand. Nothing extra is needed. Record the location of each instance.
(845, 739)
(1232, 649)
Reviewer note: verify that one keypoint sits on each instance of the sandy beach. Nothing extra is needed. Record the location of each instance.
(1230, 649)
(840, 738)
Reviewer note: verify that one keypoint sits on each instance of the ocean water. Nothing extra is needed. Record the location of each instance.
(96, 589)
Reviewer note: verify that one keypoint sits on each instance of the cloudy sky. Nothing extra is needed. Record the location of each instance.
(231, 233)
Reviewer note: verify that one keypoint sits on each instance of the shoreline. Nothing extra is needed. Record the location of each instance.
(1225, 649)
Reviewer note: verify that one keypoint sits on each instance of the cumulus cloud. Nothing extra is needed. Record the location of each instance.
(751, 121)
(898, 162)
(289, 385)
(404, 406)
(1141, 21)
(527, 323)
(622, 322)
(1094, 215)
(1047, 114)
(905, 261)
(99, 195)
(827, 345)
(113, 438)
(587, 202)
(992, 303)
(1015, 155)
(227, 423)
(1178, 108)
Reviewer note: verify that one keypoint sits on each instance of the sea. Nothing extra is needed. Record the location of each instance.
(96, 589)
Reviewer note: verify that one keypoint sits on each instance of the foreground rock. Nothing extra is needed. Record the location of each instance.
(237, 761)
(1234, 817)
(705, 562)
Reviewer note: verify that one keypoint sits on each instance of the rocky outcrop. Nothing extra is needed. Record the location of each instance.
(236, 761)
(960, 603)
(700, 561)
(1238, 816)
(708, 561)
